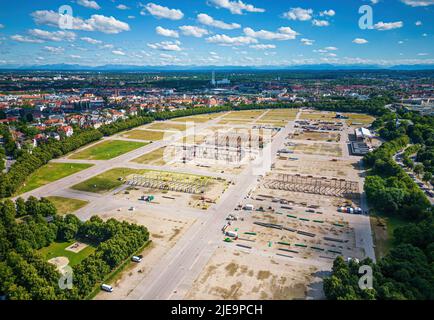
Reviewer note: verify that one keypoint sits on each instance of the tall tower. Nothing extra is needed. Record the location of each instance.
(213, 78)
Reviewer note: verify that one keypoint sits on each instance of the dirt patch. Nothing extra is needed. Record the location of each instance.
(60, 263)
(76, 247)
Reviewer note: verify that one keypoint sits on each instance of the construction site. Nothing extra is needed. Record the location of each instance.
(241, 205)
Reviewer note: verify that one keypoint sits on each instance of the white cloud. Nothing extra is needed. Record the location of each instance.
(193, 31)
(225, 40)
(307, 42)
(320, 23)
(53, 36)
(360, 41)
(382, 26)
(236, 7)
(210, 21)
(118, 52)
(263, 46)
(89, 4)
(96, 22)
(108, 25)
(74, 56)
(418, 23)
(329, 13)
(284, 33)
(122, 7)
(166, 46)
(375, 1)
(91, 40)
(422, 54)
(418, 3)
(330, 48)
(2, 26)
(163, 12)
(166, 32)
(298, 14)
(55, 50)
(20, 38)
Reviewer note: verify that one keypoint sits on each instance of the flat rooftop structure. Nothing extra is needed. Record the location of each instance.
(362, 133)
(359, 148)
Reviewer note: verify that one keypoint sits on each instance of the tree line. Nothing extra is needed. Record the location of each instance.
(406, 272)
(24, 272)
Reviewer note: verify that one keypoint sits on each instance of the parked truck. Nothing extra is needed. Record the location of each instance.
(249, 207)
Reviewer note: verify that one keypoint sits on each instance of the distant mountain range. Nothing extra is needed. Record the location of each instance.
(132, 68)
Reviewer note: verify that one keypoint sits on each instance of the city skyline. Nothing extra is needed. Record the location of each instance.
(217, 33)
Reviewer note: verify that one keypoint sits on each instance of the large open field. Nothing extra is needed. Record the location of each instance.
(329, 149)
(199, 118)
(244, 115)
(358, 119)
(107, 150)
(319, 116)
(168, 126)
(106, 181)
(66, 205)
(234, 274)
(317, 136)
(49, 173)
(280, 115)
(147, 135)
(154, 157)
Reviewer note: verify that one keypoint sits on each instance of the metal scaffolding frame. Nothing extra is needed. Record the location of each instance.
(173, 184)
(316, 185)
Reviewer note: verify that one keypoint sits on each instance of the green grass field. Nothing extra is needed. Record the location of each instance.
(147, 135)
(364, 119)
(49, 173)
(109, 180)
(168, 126)
(57, 249)
(244, 114)
(319, 116)
(105, 181)
(155, 157)
(383, 228)
(107, 150)
(67, 205)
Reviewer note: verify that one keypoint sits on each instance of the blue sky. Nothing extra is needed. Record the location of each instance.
(216, 32)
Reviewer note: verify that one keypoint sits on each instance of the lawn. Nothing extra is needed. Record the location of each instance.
(244, 114)
(105, 181)
(364, 119)
(320, 116)
(107, 150)
(198, 119)
(167, 126)
(383, 228)
(67, 205)
(109, 180)
(57, 249)
(330, 149)
(280, 115)
(155, 157)
(147, 135)
(49, 173)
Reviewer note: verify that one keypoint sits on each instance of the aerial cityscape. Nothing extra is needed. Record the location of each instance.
(216, 150)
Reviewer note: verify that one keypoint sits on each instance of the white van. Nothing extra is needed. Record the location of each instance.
(107, 287)
(136, 259)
